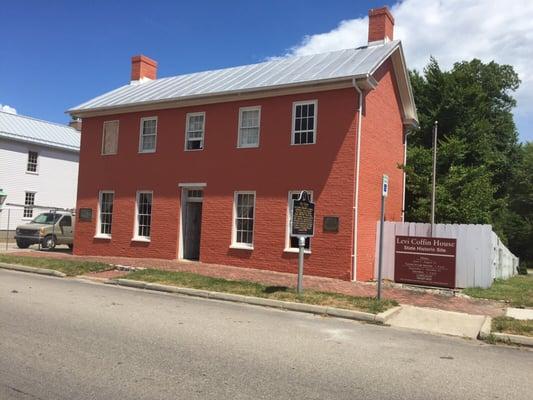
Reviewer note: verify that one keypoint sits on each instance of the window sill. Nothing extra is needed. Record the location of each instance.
(194, 149)
(248, 147)
(108, 154)
(295, 250)
(108, 237)
(239, 246)
(32, 173)
(141, 239)
(147, 151)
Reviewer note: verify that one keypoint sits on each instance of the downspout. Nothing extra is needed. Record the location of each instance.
(356, 178)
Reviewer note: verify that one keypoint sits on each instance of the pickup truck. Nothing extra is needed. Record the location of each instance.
(49, 229)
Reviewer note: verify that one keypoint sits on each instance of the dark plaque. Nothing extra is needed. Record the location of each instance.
(303, 216)
(331, 224)
(86, 214)
(425, 261)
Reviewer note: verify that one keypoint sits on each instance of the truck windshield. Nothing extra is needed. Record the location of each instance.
(46, 218)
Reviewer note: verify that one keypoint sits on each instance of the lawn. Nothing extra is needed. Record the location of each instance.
(517, 291)
(195, 281)
(68, 267)
(512, 326)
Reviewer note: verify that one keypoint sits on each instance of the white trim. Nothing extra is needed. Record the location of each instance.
(252, 108)
(315, 122)
(141, 151)
(187, 117)
(136, 237)
(103, 137)
(288, 248)
(192, 185)
(234, 244)
(98, 234)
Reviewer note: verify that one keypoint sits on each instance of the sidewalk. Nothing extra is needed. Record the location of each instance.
(403, 296)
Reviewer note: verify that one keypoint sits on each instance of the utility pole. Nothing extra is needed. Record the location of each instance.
(435, 128)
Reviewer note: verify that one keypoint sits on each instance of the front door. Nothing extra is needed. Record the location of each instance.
(192, 230)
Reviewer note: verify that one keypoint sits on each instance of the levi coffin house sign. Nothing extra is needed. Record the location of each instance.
(425, 261)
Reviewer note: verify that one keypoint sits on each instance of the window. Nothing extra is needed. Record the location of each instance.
(292, 242)
(249, 122)
(143, 217)
(110, 138)
(304, 122)
(66, 221)
(148, 137)
(194, 131)
(32, 161)
(29, 200)
(105, 214)
(243, 229)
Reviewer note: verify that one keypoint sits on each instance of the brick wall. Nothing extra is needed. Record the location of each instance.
(326, 168)
(381, 152)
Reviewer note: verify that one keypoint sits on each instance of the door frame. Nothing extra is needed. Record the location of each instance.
(184, 187)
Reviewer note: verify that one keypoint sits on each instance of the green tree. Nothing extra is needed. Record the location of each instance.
(480, 162)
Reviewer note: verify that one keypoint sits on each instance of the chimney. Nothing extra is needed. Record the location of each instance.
(380, 25)
(143, 68)
(75, 123)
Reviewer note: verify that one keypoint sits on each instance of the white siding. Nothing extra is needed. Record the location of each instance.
(55, 183)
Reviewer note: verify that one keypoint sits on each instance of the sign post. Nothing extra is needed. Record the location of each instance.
(384, 194)
(302, 227)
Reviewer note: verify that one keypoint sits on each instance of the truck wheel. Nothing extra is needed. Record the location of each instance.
(49, 242)
(22, 244)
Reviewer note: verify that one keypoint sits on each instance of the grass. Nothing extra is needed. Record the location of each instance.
(518, 291)
(512, 326)
(195, 281)
(68, 267)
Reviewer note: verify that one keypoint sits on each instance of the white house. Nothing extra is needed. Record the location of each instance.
(38, 166)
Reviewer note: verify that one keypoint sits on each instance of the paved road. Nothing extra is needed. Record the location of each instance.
(68, 339)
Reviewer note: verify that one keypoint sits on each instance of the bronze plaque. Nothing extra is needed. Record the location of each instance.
(86, 214)
(425, 261)
(331, 224)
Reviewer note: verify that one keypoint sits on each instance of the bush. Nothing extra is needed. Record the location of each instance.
(522, 268)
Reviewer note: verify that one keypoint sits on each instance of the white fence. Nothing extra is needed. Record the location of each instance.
(481, 256)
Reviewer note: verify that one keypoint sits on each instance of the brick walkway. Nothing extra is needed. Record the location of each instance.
(402, 295)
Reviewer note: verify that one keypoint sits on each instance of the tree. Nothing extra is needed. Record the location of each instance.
(480, 162)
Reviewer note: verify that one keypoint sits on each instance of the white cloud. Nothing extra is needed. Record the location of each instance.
(451, 30)
(7, 109)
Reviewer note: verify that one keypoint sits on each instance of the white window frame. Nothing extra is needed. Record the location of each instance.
(288, 248)
(24, 217)
(239, 128)
(234, 243)
(315, 124)
(99, 233)
(36, 172)
(103, 136)
(141, 130)
(202, 140)
(136, 236)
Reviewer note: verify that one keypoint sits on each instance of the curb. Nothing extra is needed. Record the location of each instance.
(41, 271)
(486, 327)
(258, 301)
(386, 315)
(514, 339)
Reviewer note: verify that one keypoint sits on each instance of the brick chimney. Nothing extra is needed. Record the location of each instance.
(380, 25)
(75, 123)
(142, 68)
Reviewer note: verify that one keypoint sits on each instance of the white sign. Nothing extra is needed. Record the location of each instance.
(385, 186)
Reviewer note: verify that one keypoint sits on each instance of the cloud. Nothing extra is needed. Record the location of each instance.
(451, 30)
(7, 109)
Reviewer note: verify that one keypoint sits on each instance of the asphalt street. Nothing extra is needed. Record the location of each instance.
(73, 339)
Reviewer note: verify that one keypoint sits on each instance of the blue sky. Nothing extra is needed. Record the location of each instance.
(57, 54)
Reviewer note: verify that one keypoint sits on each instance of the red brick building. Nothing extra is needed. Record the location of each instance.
(203, 166)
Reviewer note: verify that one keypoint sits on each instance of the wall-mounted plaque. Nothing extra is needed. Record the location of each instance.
(86, 214)
(331, 224)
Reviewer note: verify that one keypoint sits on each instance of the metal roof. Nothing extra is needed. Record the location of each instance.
(288, 71)
(27, 129)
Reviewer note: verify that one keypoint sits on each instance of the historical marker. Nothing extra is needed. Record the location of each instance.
(303, 216)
